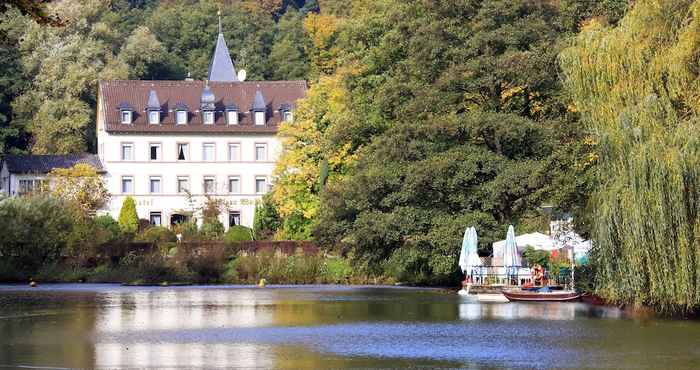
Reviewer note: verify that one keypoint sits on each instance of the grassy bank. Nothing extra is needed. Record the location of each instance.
(211, 266)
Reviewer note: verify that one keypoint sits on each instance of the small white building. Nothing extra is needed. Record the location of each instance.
(170, 143)
(24, 174)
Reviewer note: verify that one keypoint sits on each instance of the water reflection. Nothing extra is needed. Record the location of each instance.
(322, 327)
(534, 311)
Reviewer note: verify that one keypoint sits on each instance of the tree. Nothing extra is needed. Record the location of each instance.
(128, 219)
(81, 185)
(266, 220)
(636, 88)
(288, 54)
(36, 9)
(144, 54)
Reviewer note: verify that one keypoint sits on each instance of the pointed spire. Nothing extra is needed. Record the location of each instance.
(219, 14)
(221, 68)
(259, 103)
(153, 103)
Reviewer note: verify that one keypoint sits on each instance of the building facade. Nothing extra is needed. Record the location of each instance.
(172, 144)
(26, 174)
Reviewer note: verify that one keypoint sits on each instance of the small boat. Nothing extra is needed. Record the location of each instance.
(542, 295)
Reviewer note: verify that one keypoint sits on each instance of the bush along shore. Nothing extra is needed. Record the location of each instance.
(47, 239)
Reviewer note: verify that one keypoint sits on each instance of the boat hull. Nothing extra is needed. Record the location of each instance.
(525, 296)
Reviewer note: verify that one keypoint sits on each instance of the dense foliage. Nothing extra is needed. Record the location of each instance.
(428, 117)
(637, 88)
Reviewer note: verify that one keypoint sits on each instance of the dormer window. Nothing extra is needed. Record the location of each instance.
(126, 117)
(231, 114)
(288, 116)
(181, 114)
(259, 118)
(259, 109)
(286, 112)
(153, 108)
(154, 117)
(181, 117)
(208, 116)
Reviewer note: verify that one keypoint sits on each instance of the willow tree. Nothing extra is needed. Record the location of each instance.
(637, 86)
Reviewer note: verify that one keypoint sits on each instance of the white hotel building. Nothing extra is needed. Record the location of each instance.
(166, 142)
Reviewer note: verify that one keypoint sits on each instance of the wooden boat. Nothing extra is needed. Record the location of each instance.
(540, 296)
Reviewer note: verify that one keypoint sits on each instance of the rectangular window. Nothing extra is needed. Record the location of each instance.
(260, 152)
(234, 152)
(154, 118)
(156, 218)
(154, 186)
(208, 117)
(260, 185)
(234, 218)
(31, 186)
(127, 153)
(183, 151)
(155, 152)
(126, 117)
(260, 118)
(209, 185)
(183, 184)
(208, 152)
(182, 117)
(127, 185)
(232, 117)
(234, 185)
(288, 116)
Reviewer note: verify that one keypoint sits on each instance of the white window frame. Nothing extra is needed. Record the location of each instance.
(121, 151)
(121, 184)
(151, 115)
(208, 117)
(237, 150)
(213, 152)
(186, 152)
(259, 118)
(255, 154)
(151, 179)
(232, 117)
(230, 190)
(204, 184)
(264, 179)
(126, 113)
(177, 184)
(181, 117)
(159, 152)
(150, 218)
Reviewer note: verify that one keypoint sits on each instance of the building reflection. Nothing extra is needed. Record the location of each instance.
(143, 329)
(535, 311)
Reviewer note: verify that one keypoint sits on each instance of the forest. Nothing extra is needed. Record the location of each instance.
(421, 118)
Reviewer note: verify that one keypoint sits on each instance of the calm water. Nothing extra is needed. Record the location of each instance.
(107, 326)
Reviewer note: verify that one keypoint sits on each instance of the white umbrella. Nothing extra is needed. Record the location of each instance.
(511, 259)
(473, 259)
(464, 251)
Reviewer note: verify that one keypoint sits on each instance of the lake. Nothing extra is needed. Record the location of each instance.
(110, 326)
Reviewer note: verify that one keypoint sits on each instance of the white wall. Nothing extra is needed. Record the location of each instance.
(168, 168)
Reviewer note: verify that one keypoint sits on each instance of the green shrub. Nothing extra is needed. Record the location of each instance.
(188, 231)
(533, 257)
(266, 220)
(128, 219)
(212, 230)
(157, 234)
(409, 265)
(34, 230)
(336, 270)
(238, 233)
(107, 228)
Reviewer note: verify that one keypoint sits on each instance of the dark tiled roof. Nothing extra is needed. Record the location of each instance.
(170, 93)
(45, 163)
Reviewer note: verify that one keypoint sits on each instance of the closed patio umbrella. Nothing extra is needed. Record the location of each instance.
(511, 259)
(473, 260)
(464, 251)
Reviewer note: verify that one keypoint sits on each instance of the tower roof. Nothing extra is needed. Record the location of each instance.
(153, 103)
(221, 67)
(259, 102)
